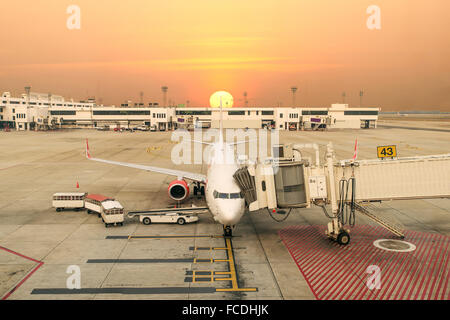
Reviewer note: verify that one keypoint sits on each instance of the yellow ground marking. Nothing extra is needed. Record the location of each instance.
(230, 261)
(222, 272)
(153, 148)
(198, 271)
(196, 249)
(234, 283)
(232, 272)
(194, 276)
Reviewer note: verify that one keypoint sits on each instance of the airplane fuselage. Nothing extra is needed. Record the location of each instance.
(223, 195)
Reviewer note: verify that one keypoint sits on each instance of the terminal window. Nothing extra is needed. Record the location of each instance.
(236, 113)
(314, 112)
(121, 112)
(62, 113)
(359, 113)
(193, 113)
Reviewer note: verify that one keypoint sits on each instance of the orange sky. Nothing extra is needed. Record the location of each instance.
(200, 46)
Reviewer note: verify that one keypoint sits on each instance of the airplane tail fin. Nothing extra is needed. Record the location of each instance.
(355, 153)
(88, 155)
(221, 122)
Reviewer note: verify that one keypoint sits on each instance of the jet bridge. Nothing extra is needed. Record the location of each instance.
(291, 181)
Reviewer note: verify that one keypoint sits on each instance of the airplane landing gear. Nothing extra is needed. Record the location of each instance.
(199, 190)
(227, 231)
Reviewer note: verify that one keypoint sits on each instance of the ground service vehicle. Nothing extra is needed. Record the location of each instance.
(174, 217)
(93, 203)
(169, 215)
(112, 213)
(68, 200)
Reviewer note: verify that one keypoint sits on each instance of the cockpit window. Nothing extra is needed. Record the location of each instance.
(235, 195)
(222, 195)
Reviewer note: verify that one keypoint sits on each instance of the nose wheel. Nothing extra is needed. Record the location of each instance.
(227, 231)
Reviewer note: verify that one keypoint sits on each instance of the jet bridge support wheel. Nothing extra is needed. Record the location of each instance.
(343, 238)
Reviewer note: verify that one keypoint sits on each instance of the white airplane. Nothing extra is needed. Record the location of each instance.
(223, 196)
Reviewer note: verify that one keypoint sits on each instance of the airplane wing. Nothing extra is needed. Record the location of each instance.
(178, 173)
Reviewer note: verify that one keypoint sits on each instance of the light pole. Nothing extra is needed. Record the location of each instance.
(164, 91)
(361, 93)
(245, 99)
(294, 90)
(28, 90)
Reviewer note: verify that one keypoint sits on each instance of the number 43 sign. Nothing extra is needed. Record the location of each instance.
(387, 152)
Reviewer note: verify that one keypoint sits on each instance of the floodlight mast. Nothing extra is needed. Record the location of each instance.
(164, 91)
(221, 122)
(294, 90)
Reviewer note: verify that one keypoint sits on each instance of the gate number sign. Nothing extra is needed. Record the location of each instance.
(386, 152)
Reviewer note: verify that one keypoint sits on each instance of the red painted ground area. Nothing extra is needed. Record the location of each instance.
(40, 263)
(339, 272)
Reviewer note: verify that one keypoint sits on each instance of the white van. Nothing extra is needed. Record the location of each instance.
(68, 200)
(112, 213)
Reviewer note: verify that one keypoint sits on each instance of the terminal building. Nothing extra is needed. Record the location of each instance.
(35, 111)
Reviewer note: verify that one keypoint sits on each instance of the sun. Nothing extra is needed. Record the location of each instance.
(216, 97)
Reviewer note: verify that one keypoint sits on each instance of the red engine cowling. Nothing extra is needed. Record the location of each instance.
(178, 190)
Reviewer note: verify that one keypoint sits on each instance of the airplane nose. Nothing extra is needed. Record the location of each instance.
(230, 212)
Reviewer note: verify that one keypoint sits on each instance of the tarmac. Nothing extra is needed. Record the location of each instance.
(264, 260)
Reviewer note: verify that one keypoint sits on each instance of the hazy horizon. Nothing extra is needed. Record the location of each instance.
(262, 47)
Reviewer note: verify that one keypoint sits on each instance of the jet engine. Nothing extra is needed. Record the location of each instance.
(178, 190)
